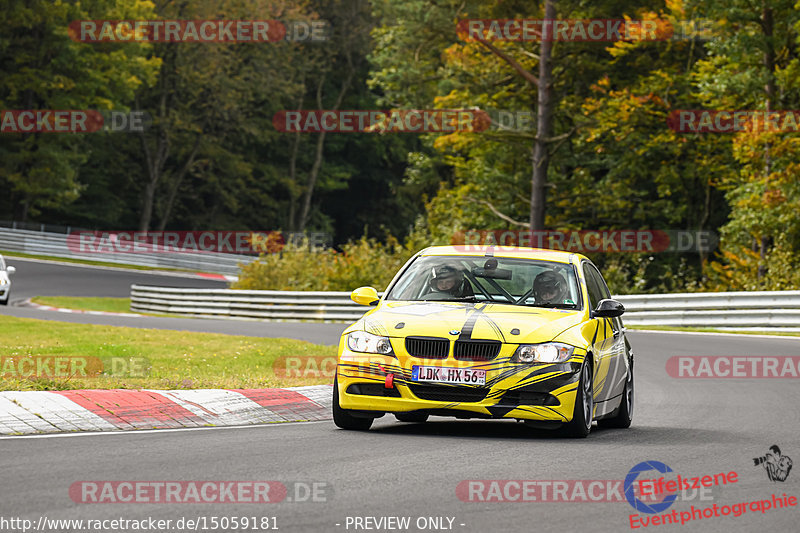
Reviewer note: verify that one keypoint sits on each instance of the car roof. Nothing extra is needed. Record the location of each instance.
(472, 250)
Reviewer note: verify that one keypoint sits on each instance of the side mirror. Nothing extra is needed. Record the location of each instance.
(10, 269)
(608, 308)
(365, 296)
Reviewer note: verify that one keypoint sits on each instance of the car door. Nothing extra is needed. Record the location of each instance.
(608, 346)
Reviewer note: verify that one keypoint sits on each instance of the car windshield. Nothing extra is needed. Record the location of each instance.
(488, 279)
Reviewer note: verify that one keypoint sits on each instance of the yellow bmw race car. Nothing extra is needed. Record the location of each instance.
(488, 332)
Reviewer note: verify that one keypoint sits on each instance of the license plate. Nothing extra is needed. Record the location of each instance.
(438, 374)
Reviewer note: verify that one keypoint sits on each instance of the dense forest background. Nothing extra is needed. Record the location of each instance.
(213, 159)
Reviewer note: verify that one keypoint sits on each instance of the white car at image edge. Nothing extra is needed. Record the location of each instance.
(5, 281)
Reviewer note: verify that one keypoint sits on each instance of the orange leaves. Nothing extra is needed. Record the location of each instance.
(773, 197)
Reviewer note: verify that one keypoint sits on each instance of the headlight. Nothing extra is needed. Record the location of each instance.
(361, 341)
(548, 352)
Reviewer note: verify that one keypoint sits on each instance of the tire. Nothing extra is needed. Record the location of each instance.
(5, 302)
(624, 416)
(581, 423)
(411, 417)
(342, 417)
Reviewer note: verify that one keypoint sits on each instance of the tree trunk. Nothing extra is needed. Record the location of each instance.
(147, 205)
(173, 193)
(23, 216)
(769, 88)
(305, 211)
(155, 169)
(544, 126)
(293, 224)
(155, 161)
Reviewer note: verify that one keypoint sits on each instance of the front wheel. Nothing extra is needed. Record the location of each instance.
(624, 416)
(342, 417)
(581, 423)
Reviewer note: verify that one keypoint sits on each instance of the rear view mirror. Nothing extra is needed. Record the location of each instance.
(365, 296)
(496, 273)
(608, 308)
(10, 269)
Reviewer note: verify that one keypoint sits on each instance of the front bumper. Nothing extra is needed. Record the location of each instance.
(376, 384)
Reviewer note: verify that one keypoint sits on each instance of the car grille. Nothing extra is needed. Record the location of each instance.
(443, 393)
(476, 350)
(428, 347)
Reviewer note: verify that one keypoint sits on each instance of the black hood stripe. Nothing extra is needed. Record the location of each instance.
(469, 325)
(472, 319)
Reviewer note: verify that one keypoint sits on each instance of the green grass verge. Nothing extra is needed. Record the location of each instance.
(6, 253)
(712, 330)
(113, 305)
(172, 359)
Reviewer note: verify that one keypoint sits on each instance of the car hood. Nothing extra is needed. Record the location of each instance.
(476, 321)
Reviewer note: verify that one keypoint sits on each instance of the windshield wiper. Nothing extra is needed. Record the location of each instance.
(553, 306)
(454, 299)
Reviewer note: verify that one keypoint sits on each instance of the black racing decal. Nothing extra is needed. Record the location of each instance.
(469, 325)
(536, 372)
(495, 327)
(550, 382)
(501, 411)
(498, 411)
(596, 329)
(472, 319)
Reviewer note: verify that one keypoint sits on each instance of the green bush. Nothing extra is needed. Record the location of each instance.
(296, 268)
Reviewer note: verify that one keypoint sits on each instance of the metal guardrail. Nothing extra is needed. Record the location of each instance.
(732, 310)
(228, 303)
(723, 310)
(55, 244)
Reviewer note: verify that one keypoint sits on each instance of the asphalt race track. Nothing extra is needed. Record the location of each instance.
(697, 427)
(36, 278)
(40, 278)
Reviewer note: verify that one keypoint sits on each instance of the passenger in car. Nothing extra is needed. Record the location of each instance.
(549, 288)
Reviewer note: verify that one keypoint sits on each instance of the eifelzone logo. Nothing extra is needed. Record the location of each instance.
(777, 466)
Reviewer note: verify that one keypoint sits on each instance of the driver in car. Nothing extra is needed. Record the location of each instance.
(549, 288)
(449, 282)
